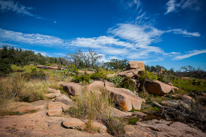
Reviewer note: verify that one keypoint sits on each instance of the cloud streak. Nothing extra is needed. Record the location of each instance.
(192, 53)
(29, 38)
(10, 5)
(185, 33)
(175, 6)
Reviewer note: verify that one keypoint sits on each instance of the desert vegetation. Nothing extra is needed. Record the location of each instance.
(23, 81)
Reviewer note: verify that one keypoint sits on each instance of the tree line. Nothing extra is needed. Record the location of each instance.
(90, 59)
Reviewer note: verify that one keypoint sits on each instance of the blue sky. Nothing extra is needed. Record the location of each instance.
(170, 33)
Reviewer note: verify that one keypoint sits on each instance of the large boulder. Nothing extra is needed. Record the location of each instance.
(158, 87)
(136, 65)
(125, 98)
(95, 86)
(72, 88)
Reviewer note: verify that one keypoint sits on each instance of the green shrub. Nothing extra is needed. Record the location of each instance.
(128, 83)
(35, 75)
(4, 69)
(99, 75)
(17, 68)
(116, 79)
(85, 78)
(48, 64)
(146, 75)
(73, 68)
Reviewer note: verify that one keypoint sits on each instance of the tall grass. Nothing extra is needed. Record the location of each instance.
(92, 106)
(98, 107)
(14, 88)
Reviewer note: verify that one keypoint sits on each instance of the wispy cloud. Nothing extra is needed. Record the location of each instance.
(132, 4)
(174, 5)
(190, 54)
(185, 33)
(99, 42)
(6, 35)
(11, 5)
(142, 36)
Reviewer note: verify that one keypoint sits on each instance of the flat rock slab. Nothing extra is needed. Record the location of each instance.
(162, 128)
(34, 106)
(80, 124)
(39, 125)
(64, 99)
(56, 108)
(121, 114)
(125, 98)
(55, 93)
(137, 113)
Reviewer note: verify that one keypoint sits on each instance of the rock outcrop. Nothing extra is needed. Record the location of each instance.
(136, 65)
(72, 88)
(158, 87)
(125, 98)
(133, 70)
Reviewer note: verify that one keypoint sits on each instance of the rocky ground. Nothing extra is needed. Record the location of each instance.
(50, 117)
(47, 118)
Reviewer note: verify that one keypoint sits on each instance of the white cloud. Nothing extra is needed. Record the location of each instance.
(171, 53)
(185, 33)
(171, 6)
(99, 42)
(192, 53)
(141, 35)
(55, 21)
(11, 5)
(174, 5)
(29, 38)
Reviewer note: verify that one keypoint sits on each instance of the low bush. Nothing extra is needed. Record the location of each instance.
(128, 83)
(84, 78)
(4, 68)
(99, 75)
(35, 75)
(115, 126)
(73, 69)
(48, 64)
(116, 79)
